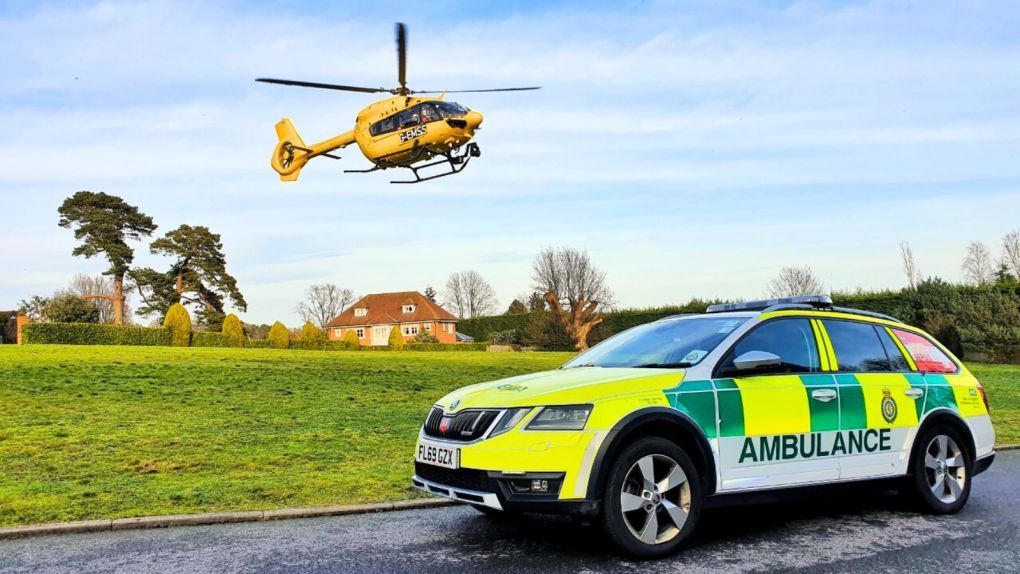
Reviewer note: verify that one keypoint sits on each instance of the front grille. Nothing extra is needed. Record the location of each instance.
(464, 426)
(463, 478)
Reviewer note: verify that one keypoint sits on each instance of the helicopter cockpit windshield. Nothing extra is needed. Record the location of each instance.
(451, 109)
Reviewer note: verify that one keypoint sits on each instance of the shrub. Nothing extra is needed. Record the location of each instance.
(396, 339)
(508, 337)
(311, 336)
(351, 340)
(93, 334)
(425, 337)
(179, 322)
(257, 344)
(210, 339)
(279, 336)
(71, 309)
(233, 330)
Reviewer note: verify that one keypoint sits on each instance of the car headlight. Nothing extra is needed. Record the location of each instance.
(509, 420)
(570, 417)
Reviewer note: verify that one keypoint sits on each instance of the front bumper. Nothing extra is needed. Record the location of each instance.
(494, 489)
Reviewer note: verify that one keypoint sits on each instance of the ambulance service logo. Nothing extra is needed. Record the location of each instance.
(888, 406)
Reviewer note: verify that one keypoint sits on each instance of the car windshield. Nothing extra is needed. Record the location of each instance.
(451, 109)
(663, 344)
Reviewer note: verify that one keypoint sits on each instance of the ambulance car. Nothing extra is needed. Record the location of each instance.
(750, 400)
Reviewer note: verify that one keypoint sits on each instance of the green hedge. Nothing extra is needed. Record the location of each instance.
(93, 334)
(446, 347)
(980, 321)
(209, 339)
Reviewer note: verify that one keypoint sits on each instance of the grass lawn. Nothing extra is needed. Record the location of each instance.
(88, 432)
(1002, 383)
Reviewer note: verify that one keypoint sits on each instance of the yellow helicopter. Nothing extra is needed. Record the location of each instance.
(416, 133)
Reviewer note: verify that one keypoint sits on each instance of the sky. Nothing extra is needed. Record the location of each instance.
(692, 148)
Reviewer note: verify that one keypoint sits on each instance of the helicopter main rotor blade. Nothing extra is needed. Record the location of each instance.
(474, 91)
(402, 55)
(323, 86)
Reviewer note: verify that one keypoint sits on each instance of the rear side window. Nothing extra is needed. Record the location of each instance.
(926, 355)
(791, 339)
(896, 359)
(857, 346)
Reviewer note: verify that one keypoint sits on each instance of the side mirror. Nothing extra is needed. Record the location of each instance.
(757, 361)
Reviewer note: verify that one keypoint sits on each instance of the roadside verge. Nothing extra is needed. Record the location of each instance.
(213, 518)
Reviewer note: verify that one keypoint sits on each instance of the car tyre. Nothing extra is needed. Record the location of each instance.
(651, 517)
(941, 470)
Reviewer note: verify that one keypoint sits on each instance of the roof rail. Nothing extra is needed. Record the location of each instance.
(866, 313)
(801, 302)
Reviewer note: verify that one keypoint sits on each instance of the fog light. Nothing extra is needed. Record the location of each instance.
(539, 486)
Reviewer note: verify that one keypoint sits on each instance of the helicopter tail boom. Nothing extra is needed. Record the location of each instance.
(291, 154)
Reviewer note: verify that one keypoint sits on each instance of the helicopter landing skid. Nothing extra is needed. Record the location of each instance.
(457, 163)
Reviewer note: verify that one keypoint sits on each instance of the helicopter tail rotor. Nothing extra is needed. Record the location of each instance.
(290, 153)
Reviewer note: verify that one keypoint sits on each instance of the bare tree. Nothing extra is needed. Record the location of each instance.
(1011, 251)
(574, 289)
(909, 265)
(469, 294)
(87, 285)
(977, 264)
(795, 281)
(323, 303)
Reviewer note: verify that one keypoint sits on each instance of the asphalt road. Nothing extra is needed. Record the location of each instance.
(865, 533)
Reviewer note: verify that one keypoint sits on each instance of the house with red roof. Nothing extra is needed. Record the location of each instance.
(373, 316)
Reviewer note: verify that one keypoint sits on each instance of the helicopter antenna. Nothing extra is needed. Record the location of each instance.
(402, 59)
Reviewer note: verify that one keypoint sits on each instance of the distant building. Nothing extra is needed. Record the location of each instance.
(372, 317)
(462, 338)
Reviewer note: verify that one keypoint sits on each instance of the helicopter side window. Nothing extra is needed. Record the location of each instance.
(383, 126)
(429, 113)
(409, 117)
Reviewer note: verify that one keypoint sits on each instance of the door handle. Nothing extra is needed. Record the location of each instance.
(824, 395)
(914, 393)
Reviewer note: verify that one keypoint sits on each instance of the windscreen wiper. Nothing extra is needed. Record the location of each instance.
(680, 365)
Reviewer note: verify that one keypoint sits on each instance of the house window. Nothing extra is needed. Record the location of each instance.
(410, 329)
(428, 327)
(360, 312)
(360, 332)
(336, 333)
(408, 308)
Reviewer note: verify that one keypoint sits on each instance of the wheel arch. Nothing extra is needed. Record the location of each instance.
(664, 422)
(950, 418)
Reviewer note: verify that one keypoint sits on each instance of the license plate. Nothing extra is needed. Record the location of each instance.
(438, 455)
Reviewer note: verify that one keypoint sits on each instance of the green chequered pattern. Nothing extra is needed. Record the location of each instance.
(852, 411)
(697, 400)
(824, 416)
(731, 408)
(940, 394)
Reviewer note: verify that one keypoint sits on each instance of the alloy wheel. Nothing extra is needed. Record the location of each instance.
(656, 499)
(944, 468)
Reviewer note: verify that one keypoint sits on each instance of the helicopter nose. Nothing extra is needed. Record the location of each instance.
(474, 120)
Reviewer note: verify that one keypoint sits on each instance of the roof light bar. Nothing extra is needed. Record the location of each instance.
(808, 300)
